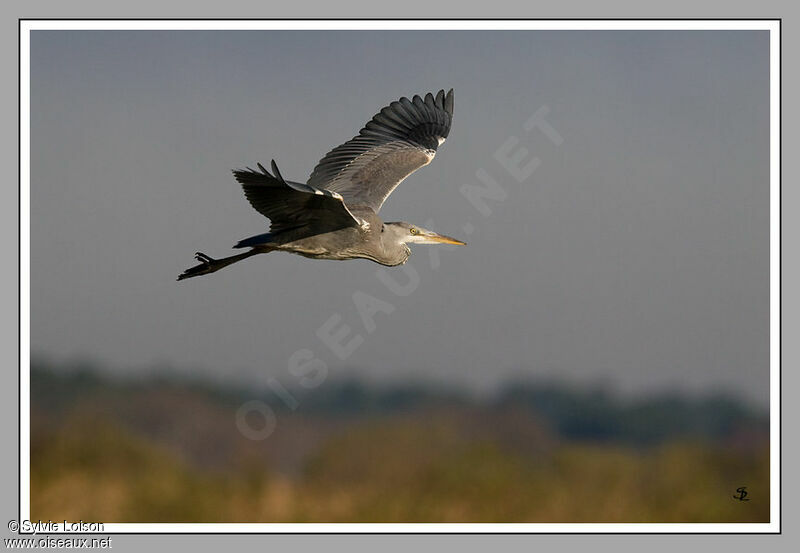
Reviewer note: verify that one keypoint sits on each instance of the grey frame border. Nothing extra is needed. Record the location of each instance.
(779, 20)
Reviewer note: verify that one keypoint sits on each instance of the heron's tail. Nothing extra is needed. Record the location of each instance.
(254, 241)
(211, 265)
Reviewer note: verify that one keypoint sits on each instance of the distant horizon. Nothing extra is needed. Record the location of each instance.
(360, 376)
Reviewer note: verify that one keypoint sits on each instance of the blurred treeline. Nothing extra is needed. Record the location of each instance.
(167, 449)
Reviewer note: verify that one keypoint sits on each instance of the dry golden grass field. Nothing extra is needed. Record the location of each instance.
(167, 453)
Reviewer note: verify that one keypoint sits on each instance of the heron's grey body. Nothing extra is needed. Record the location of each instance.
(375, 240)
(335, 214)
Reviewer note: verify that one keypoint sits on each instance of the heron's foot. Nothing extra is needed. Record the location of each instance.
(203, 258)
(207, 265)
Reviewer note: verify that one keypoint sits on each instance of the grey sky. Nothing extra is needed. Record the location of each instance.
(636, 254)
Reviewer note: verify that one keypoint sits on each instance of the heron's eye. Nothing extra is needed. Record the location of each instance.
(413, 230)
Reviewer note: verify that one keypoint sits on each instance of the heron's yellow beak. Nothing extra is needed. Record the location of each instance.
(441, 239)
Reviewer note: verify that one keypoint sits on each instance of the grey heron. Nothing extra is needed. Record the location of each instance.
(335, 214)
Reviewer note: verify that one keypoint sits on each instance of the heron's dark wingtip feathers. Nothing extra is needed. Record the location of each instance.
(263, 171)
(421, 119)
(439, 101)
(289, 205)
(429, 101)
(276, 172)
(252, 177)
(241, 175)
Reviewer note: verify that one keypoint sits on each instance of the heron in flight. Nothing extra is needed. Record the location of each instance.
(335, 214)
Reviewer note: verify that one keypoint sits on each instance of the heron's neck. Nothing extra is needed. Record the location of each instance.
(394, 252)
(397, 254)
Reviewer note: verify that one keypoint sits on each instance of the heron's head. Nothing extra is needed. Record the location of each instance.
(406, 233)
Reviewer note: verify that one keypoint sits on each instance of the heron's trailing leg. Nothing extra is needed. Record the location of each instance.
(211, 265)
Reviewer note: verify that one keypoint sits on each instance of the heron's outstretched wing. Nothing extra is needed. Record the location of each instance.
(291, 205)
(399, 140)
